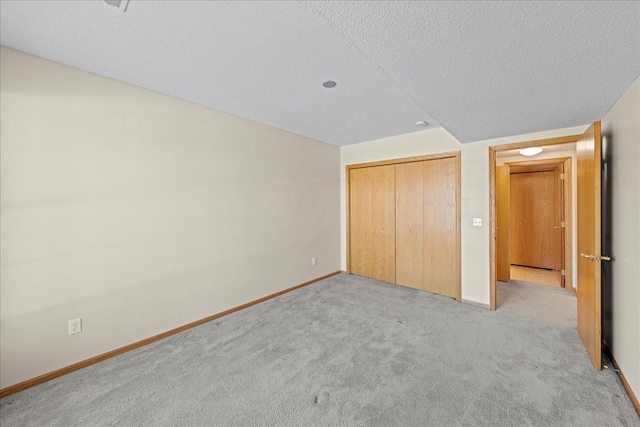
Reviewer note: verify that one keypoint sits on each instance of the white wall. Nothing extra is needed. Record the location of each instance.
(475, 190)
(140, 213)
(501, 160)
(621, 130)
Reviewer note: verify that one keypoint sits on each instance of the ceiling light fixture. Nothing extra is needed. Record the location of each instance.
(530, 151)
(421, 124)
(329, 84)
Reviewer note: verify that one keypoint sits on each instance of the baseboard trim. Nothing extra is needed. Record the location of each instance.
(626, 385)
(477, 304)
(84, 363)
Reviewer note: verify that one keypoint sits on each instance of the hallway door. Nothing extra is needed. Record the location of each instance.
(536, 215)
(589, 163)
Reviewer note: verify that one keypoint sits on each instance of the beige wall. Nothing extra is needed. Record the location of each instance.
(475, 190)
(621, 135)
(140, 213)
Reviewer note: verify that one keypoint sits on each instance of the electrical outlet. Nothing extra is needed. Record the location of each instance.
(314, 261)
(477, 222)
(75, 326)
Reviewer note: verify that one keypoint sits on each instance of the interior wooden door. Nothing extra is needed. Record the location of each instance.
(535, 239)
(520, 216)
(589, 163)
(503, 264)
(410, 224)
(372, 222)
(441, 257)
(561, 221)
(545, 239)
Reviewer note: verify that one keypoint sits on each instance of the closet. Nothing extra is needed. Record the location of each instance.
(404, 222)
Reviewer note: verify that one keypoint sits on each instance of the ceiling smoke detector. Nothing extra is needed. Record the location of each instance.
(421, 124)
(531, 151)
(120, 4)
(329, 84)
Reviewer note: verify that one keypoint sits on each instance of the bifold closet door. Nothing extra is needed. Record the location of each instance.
(409, 224)
(441, 256)
(372, 222)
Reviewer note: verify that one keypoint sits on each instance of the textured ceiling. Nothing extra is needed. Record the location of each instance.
(493, 69)
(479, 69)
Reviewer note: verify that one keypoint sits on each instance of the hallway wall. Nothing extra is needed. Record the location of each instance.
(621, 141)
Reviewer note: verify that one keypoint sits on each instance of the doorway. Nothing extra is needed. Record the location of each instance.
(588, 164)
(534, 244)
(535, 217)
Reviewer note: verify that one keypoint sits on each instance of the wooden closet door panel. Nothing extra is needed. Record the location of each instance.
(545, 242)
(409, 224)
(440, 227)
(372, 222)
(520, 226)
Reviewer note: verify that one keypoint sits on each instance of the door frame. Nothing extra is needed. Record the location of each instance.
(435, 156)
(493, 150)
(567, 204)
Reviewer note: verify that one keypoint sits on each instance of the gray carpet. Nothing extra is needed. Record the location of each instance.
(555, 305)
(344, 351)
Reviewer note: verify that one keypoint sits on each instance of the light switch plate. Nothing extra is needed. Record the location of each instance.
(477, 222)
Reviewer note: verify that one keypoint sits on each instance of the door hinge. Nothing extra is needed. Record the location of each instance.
(563, 224)
(561, 176)
(562, 273)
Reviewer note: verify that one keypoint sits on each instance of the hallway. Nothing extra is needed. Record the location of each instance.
(551, 304)
(535, 275)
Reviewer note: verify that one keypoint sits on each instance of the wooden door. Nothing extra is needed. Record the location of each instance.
(441, 256)
(561, 222)
(520, 216)
(589, 163)
(503, 264)
(545, 239)
(535, 238)
(409, 224)
(372, 222)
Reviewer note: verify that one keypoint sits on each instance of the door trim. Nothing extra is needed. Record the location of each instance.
(493, 150)
(450, 154)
